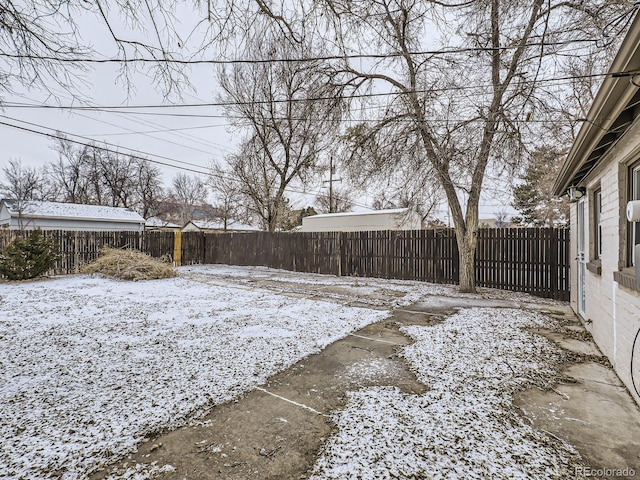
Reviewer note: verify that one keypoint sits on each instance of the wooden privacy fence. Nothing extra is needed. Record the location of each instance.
(531, 260)
(77, 248)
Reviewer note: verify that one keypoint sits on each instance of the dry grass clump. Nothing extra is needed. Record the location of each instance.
(129, 265)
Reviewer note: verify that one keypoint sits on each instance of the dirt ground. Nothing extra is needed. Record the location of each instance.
(277, 431)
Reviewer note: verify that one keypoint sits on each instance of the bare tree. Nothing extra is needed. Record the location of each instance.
(93, 175)
(68, 174)
(502, 218)
(117, 174)
(147, 188)
(188, 191)
(228, 196)
(465, 110)
(386, 160)
(339, 200)
(42, 41)
(260, 187)
(21, 185)
(287, 111)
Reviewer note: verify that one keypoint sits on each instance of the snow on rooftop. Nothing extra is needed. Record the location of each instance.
(219, 225)
(73, 210)
(393, 211)
(155, 222)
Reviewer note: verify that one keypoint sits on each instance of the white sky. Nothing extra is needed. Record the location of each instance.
(197, 141)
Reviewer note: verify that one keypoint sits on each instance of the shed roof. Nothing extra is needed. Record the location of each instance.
(155, 222)
(393, 211)
(72, 211)
(219, 225)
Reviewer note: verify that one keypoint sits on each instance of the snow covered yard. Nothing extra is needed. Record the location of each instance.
(89, 366)
(464, 426)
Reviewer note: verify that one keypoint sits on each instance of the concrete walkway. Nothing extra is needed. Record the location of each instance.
(276, 431)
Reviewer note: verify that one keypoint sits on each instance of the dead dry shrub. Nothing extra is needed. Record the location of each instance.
(129, 265)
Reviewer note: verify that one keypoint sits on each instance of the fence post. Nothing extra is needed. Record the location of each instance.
(177, 248)
(342, 262)
(204, 248)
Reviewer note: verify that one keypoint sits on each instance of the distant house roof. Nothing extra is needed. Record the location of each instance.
(40, 209)
(155, 222)
(393, 211)
(219, 225)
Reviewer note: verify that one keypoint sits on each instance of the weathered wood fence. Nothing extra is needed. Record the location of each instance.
(531, 260)
(78, 248)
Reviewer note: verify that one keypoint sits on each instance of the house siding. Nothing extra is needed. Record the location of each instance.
(605, 148)
(627, 323)
(612, 312)
(361, 222)
(72, 224)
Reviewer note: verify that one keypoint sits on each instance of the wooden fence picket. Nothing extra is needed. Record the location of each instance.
(531, 260)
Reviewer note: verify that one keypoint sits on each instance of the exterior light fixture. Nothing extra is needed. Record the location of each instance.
(575, 193)
(633, 211)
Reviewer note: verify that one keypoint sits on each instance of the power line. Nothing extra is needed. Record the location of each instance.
(128, 108)
(118, 150)
(350, 120)
(132, 132)
(237, 117)
(161, 130)
(174, 131)
(61, 135)
(357, 56)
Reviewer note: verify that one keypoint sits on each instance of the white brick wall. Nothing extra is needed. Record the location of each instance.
(612, 312)
(627, 326)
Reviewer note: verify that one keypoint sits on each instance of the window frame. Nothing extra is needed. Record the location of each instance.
(597, 223)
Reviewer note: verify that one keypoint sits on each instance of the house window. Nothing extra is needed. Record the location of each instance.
(597, 223)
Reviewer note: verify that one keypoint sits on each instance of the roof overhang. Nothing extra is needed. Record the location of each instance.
(612, 113)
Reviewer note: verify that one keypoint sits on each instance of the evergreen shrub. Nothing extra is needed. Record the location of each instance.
(28, 257)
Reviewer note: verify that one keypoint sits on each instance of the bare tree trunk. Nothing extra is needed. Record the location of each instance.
(467, 269)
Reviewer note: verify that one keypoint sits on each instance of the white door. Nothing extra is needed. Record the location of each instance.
(581, 258)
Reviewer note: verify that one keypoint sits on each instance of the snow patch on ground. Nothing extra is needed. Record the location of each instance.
(89, 366)
(143, 471)
(464, 426)
(408, 291)
(373, 369)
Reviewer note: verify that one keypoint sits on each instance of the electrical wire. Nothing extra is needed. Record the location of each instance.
(162, 130)
(129, 108)
(238, 117)
(109, 147)
(633, 349)
(357, 56)
(619, 23)
(119, 150)
(132, 132)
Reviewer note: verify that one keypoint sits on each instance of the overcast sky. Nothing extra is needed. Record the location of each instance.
(167, 135)
(180, 139)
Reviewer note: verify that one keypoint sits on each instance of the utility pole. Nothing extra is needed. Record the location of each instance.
(331, 184)
(332, 171)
